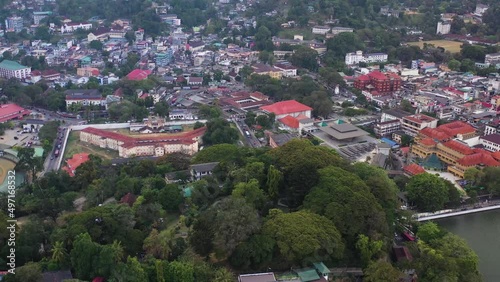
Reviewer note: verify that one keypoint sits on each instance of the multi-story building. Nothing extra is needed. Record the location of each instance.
(38, 16)
(411, 125)
(263, 69)
(491, 142)
(443, 27)
(128, 146)
(445, 142)
(15, 24)
(492, 128)
(288, 108)
(71, 27)
(11, 69)
(376, 81)
(358, 57)
(492, 59)
(85, 97)
(386, 128)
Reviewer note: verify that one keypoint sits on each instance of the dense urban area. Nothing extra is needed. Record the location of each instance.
(249, 141)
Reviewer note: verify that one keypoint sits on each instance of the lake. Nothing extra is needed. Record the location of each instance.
(482, 233)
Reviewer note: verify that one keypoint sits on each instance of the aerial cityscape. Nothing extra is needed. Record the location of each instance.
(249, 140)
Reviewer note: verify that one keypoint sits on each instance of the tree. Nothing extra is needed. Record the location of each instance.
(490, 180)
(274, 181)
(84, 256)
(58, 252)
(429, 232)
(427, 191)
(299, 161)
(28, 162)
(345, 199)
(130, 271)
(219, 131)
(157, 244)
(305, 57)
(245, 72)
(161, 108)
(30, 272)
(406, 106)
(234, 221)
(454, 65)
(263, 39)
(368, 248)
(318, 240)
(381, 271)
(170, 197)
(253, 253)
(251, 193)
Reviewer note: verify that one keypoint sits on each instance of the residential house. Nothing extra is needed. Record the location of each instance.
(194, 81)
(337, 30)
(277, 140)
(71, 27)
(198, 171)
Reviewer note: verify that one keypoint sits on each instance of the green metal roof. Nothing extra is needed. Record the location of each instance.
(321, 267)
(307, 274)
(11, 65)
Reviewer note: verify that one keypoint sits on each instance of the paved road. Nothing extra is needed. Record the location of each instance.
(251, 140)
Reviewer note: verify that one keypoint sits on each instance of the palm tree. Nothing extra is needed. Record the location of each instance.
(118, 252)
(58, 252)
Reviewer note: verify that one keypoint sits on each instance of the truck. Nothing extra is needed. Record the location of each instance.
(56, 153)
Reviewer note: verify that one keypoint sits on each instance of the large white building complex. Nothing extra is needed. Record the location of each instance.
(358, 57)
(10, 69)
(128, 146)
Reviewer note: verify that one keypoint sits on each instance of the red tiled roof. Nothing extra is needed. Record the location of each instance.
(12, 111)
(428, 142)
(478, 159)
(286, 107)
(377, 75)
(363, 77)
(98, 279)
(290, 121)
(434, 134)
(456, 127)
(138, 74)
(128, 142)
(414, 169)
(75, 162)
(458, 147)
(496, 155)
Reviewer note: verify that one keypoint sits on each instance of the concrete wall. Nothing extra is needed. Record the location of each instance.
(101, 126)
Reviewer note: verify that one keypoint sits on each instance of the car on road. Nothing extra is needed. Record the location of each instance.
(51, 157)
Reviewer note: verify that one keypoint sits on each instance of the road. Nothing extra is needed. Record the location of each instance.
(251, 140)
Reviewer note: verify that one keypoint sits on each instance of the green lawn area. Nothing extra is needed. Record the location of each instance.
(74, 146)
(289, 33)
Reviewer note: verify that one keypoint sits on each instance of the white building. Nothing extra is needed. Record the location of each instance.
(71, 27)
(358, 57)
(338, 29)
(321, 29)
(11, 69)
(38, 16)
(491, 142)
(492, 59)
(443, 27)
(15, 24)
(85, 97)
(411, 125)
(481, 9)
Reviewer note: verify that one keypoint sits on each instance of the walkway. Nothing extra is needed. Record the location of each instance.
(486, 206)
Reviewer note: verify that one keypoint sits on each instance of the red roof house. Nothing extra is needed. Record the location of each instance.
(76, 161)
(413, 169)
(12, 111)
(290, 122)
(289, 107)
(138, 74)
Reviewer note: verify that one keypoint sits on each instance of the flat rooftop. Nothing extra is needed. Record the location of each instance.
(343, 131)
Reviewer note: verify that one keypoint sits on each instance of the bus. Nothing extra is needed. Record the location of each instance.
(56, 153)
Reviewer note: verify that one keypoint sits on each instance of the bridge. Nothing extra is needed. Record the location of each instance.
(438, 215)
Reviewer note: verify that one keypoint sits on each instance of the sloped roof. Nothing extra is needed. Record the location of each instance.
(128, 199)
(456, 127)
(414, 169)
(458, 147)
(286, 107)
(434, 134)
(478, 159)
(427, 142)
(290, 121)
(138, 74)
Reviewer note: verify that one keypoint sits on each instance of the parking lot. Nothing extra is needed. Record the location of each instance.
(14, 138)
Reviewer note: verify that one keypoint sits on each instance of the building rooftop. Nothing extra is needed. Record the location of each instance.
(138, 74)
(458, 147)
(12, 111)
(257, 277)
(494, 138)
(286, 107)
(205, 167)
(290, 121)
(11, 65)
(413, 169)
(397, 113)
(343, 131)
(478, 159)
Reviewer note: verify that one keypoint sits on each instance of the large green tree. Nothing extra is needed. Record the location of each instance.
(219, 131)
(303, 236)
(427, 191)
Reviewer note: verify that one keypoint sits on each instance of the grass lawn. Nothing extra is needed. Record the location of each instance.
(448, 45)
(289, 33)
(74, 146)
